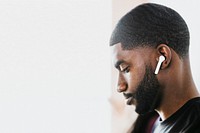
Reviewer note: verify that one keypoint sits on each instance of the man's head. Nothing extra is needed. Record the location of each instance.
(151, 25)
(140, 37)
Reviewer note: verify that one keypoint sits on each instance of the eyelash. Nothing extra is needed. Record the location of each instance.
(126, 70)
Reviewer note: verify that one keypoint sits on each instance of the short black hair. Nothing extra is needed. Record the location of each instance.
(150, 25)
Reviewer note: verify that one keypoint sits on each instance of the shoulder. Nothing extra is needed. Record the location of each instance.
(186, 119)
(194, 106)
(193, 116)
(191, 110)
(194, 127)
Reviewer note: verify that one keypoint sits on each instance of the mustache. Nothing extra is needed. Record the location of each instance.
(128, 95)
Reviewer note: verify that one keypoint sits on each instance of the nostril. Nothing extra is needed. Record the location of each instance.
(121, 87)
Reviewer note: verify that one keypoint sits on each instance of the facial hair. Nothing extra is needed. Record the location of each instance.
(148, 94)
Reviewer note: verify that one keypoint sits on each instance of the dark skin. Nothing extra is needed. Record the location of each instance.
(175, 78)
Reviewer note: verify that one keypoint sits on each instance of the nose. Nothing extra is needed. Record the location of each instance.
(122, 85)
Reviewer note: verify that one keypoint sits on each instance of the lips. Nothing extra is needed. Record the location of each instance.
(129, 98)
(129, 101)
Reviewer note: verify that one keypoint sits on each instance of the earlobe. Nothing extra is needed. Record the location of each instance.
(165, 51)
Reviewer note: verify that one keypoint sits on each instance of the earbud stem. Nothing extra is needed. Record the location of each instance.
(161, 59)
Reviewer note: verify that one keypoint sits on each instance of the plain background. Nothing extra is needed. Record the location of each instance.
(54, 66)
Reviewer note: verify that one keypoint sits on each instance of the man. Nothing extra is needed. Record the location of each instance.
(151, 52)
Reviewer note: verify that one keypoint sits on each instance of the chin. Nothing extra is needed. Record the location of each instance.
(142, 109)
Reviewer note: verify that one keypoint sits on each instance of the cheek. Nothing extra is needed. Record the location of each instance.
(134, 78)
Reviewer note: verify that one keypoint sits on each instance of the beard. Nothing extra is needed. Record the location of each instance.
(148, 93)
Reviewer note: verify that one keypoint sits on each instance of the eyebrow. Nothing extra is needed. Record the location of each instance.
(118, 63)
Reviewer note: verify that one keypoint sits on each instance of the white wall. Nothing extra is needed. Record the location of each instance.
(54, 66)
(190, 11)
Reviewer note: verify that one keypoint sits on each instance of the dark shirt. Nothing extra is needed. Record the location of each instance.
(185, 120)
(145, 123)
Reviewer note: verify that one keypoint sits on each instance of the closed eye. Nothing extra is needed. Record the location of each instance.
(126, 70)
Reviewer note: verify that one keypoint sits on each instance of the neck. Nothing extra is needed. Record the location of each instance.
(178, 89)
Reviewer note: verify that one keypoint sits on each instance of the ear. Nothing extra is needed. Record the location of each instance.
(164, 50)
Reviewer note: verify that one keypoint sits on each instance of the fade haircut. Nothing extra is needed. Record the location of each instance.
(150, 25)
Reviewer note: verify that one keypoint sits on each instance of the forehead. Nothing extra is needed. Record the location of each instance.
(137, 54)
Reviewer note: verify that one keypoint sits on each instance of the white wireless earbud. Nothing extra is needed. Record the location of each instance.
(161, 59)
